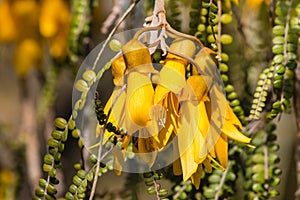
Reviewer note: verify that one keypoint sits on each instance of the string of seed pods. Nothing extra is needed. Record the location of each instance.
(80, 27)
(286, 34)
(208, 34)
(154, 187)
(210, 30)
(262, 173)
(51, 161)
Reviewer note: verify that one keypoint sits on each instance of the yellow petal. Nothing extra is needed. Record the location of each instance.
(118, 68)
(137, 57)
(233, 133)
(221, 150)
(140, 94)
(183, 46)
(172, 78)
(230, 116)
(196, 177)
(198, 89)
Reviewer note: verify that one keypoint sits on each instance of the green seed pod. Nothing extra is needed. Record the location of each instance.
(223, 67)
(213, 7)
(257, 187)
(76, 133)
(278, 77)
(81, 189)
(56, 134)
(214, 178)
(89, 76)
(52, 172)
(53, 142)
(81, 86)
(163, 193)
(277, 84)
(209, 193)
(278, 40)
(258, 168)
(64, 136)
(61, 147)
(42, 183)
(212, 29)
(69, 196)
(39, 192)
(115, 45)
(276, 105)
(274, 171)
(93, 159)
(280, 20)
(76, 180)
(51, 189)
(224, 78)
(233, 95)
(149, 181)
(182, 196)
(291, 56)
(48, 159)
(277, 49)
(81, 195)
(292, 38)
(278, 59)
(81, 143)
(71, 124)
(291, 47)
(201, 27)
(90, 176)
(273, 159)
(50, 197)
(226, 18)
(224, 57)
(230, 176)
(235, 102)
(81, 173)
(274, 181)
(229, 88)
(258, 158)
(188, 188)
(278, 30)
(280, 69)
(210, 38)
(258, 178)
(60, 123)
(226, 39)
(237, 109)
(151, 190)
(273, 193)
(73, 188)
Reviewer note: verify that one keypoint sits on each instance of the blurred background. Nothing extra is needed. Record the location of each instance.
(42, 44)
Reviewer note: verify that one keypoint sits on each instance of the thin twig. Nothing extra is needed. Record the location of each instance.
(97, 167)
(222, 181)
(219, 31)
(128, 11)
(115, 13)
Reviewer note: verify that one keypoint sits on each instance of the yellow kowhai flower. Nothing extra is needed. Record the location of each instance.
(156, 109)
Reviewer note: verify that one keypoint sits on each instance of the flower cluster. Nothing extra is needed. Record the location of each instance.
(27, 23)
(182, 102)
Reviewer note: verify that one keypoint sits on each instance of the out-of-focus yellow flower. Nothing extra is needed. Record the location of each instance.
(8, 28)
(27, 23)
(54, 24)
(256, 4)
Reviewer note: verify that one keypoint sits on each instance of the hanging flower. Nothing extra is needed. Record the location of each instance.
(155, 107)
